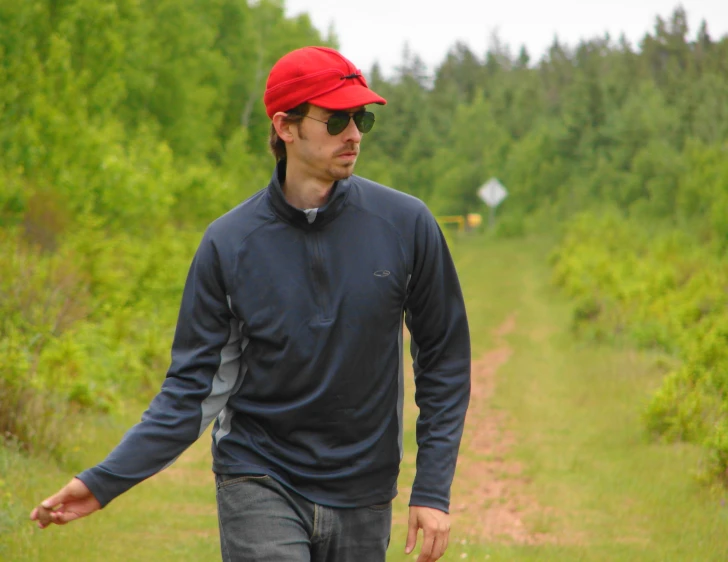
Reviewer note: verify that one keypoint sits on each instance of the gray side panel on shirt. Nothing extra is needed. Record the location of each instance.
(400, 383)
(227, 376)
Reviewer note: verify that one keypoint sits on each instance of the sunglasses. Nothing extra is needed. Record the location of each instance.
(339, 120)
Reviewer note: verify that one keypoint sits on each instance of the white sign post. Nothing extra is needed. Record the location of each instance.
(492, 193)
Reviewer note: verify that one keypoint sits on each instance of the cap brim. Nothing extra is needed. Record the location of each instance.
(347, 98)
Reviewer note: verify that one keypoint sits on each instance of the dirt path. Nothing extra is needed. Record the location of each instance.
(490, 499)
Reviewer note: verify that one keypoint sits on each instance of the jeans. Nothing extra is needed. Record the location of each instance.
(262, 521)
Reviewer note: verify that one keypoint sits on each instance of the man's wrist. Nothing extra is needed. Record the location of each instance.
(418, 499)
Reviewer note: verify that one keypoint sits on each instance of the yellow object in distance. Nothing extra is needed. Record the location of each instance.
(474, 220)
(471, 220)
(460, 221)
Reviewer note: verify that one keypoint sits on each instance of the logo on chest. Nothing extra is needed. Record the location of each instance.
(382, 273)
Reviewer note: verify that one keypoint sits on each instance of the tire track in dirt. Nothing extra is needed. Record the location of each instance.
(490, 499)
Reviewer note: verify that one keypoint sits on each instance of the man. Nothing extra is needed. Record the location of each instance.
(290, 338)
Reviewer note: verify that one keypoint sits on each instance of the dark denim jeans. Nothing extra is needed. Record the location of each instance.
(262, 521)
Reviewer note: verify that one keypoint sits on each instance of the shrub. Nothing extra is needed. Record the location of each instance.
(662, 291)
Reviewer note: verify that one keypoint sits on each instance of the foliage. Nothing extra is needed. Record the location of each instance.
(126, 126)
(661, 290)
(83, 325)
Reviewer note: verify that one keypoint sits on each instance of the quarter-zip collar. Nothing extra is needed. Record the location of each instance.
(326, 213)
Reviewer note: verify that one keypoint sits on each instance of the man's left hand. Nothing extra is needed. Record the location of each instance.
(435, 525)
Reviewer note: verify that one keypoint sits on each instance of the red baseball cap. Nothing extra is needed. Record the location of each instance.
(320, 76)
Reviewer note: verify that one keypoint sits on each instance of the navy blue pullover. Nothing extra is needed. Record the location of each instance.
(290, 338)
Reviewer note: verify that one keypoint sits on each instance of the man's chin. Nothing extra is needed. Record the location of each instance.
(342, 172)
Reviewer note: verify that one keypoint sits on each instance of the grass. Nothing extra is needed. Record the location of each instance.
(607, 492)
(170, 517)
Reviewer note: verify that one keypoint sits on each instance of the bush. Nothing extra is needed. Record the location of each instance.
(84, 325)
(662, 291)
(510, 225)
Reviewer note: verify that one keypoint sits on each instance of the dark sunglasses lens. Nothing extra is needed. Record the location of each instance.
(337, 122)
(364, 121)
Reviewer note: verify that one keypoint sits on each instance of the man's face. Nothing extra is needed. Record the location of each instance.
(324, 156)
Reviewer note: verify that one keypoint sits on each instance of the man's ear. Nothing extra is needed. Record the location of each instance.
(283, 128)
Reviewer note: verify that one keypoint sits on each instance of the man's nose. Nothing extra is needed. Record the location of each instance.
(351, 133)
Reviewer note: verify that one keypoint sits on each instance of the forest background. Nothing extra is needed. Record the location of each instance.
(127, 126)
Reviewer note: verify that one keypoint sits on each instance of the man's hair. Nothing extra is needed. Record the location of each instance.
(275, 143)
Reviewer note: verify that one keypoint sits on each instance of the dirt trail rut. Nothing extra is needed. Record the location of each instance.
(490, 499)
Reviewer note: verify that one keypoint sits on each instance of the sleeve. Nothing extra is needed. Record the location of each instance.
(205, 365)
(440, 345)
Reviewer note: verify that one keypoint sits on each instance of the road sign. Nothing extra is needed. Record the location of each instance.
(493, 193)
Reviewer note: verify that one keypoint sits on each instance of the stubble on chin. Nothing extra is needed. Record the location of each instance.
(341, 172)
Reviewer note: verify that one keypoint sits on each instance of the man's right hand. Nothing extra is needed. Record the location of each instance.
(71, 502)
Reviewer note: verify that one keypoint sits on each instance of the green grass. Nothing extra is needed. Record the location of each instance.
(606, 491)
(170, 517)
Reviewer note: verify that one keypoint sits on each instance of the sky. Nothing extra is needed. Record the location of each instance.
(377, 30)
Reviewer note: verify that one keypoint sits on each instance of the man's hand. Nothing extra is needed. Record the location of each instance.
(71, 502)
(435, 525)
